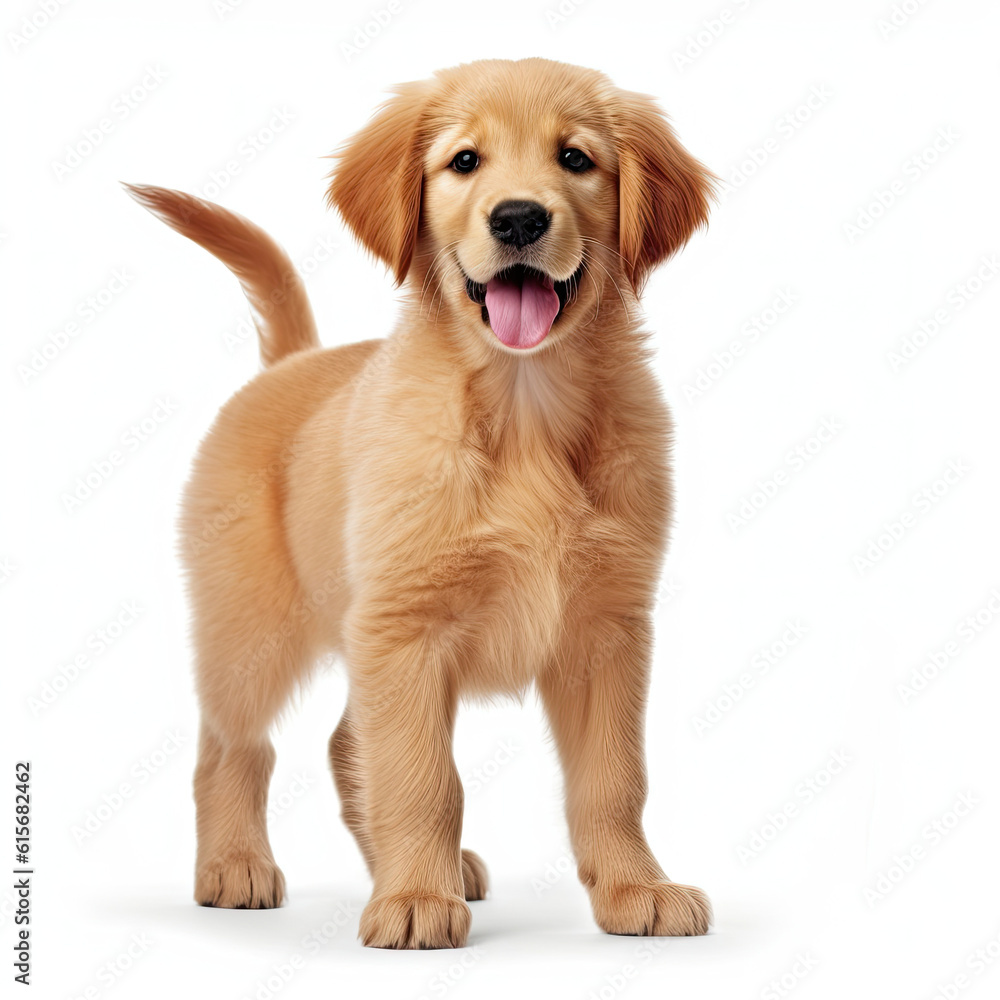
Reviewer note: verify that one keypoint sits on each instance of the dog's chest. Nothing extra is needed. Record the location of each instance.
(513, 570)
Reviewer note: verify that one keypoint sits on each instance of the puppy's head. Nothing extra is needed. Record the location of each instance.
(520, 195)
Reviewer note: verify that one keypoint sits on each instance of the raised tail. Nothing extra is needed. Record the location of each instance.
(277, 297)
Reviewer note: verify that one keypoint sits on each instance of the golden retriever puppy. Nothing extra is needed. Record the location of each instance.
(476, 503)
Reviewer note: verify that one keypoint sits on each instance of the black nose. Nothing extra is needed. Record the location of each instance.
(518, 222)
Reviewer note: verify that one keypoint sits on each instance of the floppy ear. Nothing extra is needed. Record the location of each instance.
(378, 179)
(663, 191)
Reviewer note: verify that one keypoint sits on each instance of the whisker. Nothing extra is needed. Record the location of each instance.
(437, 261)
(590, 239)
(597, 307)
(611, 278)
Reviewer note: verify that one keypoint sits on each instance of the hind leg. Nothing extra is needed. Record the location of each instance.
(350, 787)
(235, 866)
(474, 876)
(252, 644)
(347, 777)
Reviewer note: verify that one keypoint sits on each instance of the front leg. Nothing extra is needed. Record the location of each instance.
(595, 697)
(403, 711)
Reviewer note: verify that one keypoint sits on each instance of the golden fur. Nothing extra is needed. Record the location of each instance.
(452, 516)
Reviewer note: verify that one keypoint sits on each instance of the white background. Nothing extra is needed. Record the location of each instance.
(830, 886)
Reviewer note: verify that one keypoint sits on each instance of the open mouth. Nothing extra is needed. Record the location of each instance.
(521, 303)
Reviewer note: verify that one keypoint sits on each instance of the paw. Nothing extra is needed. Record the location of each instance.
(415, 920)
(662, 909)
(240, 882)
(474, 875)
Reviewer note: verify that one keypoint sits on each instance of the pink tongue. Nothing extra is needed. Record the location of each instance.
(521, 315)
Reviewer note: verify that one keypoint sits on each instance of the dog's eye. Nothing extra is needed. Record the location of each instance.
(575, 160)
(465, 162)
